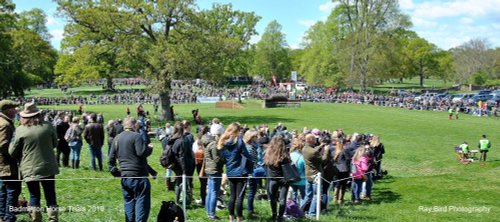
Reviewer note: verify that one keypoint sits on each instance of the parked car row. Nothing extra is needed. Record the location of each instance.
(490, 97)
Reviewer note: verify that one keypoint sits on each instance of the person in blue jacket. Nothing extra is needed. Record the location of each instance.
(238, 166)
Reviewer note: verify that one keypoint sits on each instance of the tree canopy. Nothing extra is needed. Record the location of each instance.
(160, 40)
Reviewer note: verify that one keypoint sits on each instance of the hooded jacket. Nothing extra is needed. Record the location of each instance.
(233, 151)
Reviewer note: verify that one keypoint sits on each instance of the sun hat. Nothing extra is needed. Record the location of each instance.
(30, 110)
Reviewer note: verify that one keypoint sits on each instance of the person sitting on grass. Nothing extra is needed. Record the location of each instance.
(465, 150)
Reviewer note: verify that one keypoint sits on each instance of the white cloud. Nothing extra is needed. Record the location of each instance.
(466, 21)
(450, 23)
(406, 4)
(51, 21)
(438, 9)
(424, 23)
(307, 22)
(254, 39)
(57, 34)
(327, 7)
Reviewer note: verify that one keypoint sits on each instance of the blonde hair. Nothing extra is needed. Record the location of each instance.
(298, 144)
(375, 141)
(249, 135)
(231, 133)
(361, 151)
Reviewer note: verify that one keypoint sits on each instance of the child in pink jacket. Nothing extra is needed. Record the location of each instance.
(359, 166)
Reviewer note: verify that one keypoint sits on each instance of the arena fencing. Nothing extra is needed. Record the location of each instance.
(317, 178)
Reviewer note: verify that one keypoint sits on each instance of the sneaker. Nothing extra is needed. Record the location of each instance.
(213, 217)
(253, 215)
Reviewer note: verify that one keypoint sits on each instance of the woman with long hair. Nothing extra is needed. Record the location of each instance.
(341, 161)
(33, 146)
(360, 165)
(213, 170)
(238, 160)
(75, 142)
(277, 155)
(298, 159)
(255, 151)
(379, 151)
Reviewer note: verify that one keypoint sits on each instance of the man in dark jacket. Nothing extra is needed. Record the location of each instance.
(313, 158)
(9, 190)
(62, 144)
(131, 152)
(94, 136)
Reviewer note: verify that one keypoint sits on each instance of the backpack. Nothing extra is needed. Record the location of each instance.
(167, 159)
(292, 209)
(70, 133)
(169, 211)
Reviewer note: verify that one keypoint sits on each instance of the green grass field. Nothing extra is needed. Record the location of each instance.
(423, 171)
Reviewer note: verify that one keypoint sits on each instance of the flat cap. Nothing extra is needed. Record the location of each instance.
(8, 104)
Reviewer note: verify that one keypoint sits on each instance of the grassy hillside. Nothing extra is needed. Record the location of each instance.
(423, 171)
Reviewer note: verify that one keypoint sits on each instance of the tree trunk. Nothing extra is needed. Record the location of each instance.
(167, 111)
(421, 74)
(109, 83)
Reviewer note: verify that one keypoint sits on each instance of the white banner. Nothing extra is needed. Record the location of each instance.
(209, 99)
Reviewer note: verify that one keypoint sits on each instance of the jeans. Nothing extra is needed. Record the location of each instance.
(277, 189)
(356, 188)
(252, 191)
(214, 183)
(9, 194)
(367, 186)
(49, 191)
(75, 151)
(137, 199)
(237, 186)
(296, 190)
(95, 152)
(311, 195)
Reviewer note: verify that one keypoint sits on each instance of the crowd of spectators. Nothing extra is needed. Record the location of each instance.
(190, 91)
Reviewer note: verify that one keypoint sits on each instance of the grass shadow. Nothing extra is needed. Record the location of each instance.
(384, 195)
(386, 179)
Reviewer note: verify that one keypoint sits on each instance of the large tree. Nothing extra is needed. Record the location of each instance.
(35, 20)
(164, 39)
(365, 23)
(470, 58)
(35, 56)
(26, 58)
(271, 56)
(421, 58)
(319, 61)
(9, 68)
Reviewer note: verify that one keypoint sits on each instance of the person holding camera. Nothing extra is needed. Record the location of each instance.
(314, 156)
(131, 151)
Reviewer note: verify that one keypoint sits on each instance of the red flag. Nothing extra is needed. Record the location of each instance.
(275, 83)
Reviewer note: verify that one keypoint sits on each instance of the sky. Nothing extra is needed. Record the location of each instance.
(446, 23)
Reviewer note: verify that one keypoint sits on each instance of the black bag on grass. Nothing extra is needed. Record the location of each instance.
(169, 211)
